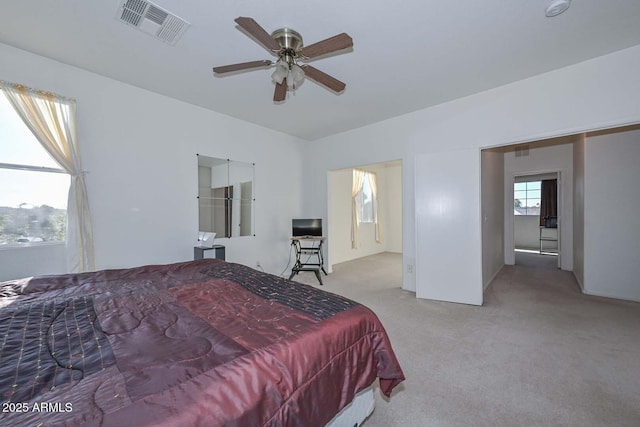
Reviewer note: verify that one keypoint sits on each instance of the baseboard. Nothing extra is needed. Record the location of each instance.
(484, 287)
(578, 280)
(602, 294)
(607, 295)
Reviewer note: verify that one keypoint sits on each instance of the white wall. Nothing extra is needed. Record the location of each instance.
(139, 149)
(30, 261)
(528, 234)
(578, 210)
(598, 93)
(393, 213)
(219, 176)
(540, 160)
(526, 231)
(368, 146)
(339, 211)
(611, 215)
(492, 170)
(339, 217)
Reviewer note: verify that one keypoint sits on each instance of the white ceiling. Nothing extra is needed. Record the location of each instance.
(407, 55)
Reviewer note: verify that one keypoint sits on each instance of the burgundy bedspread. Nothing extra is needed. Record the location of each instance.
(198, 343)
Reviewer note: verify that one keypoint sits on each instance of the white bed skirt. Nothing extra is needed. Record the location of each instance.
(355, 412)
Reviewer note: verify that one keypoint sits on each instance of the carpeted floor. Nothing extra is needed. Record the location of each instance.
(538, 353)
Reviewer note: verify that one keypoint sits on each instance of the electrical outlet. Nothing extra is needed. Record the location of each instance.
(409, 268)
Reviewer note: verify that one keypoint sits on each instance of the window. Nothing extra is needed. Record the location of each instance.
(364, 200)
(526, 198)
(33, 188)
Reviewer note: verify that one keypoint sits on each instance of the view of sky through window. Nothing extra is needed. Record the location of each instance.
(365, 201)
(19, 146)
(526, 197)
(32, 203)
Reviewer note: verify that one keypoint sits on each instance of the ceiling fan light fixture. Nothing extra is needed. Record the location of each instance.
(281, 72)
(297, 75)
(291, 84)
(287, 45)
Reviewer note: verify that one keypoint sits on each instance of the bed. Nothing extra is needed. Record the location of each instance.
(197, 343)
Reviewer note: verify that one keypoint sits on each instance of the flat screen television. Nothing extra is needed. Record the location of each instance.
(550, 222)
(306, 227)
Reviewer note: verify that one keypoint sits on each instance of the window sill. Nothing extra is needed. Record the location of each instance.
(12, 246)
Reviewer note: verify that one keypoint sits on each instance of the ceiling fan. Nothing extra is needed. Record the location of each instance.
(287, 45)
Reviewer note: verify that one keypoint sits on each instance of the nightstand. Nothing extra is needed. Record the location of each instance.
(218, 252)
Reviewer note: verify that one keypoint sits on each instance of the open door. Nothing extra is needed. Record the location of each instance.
(448, 226)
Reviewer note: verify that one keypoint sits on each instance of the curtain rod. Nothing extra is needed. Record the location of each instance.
(40, 92)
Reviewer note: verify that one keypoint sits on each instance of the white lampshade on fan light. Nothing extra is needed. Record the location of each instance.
(296, 77)
(292, 72)
(282, 71)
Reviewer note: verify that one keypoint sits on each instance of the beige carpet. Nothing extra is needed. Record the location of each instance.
(538, 353)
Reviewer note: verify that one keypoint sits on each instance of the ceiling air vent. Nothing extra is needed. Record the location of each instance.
(152, 19)
(522, 151)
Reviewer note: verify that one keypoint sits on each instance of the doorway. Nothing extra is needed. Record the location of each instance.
(537, 199)
(501, 168)
(388, 200)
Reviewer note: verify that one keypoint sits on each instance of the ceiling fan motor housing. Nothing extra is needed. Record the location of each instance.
(288, 39)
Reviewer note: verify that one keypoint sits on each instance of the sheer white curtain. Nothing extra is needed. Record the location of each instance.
(373, 183)
(358, 179)
(52, 119)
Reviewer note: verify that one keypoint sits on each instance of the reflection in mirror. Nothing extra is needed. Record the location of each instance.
(225, 196)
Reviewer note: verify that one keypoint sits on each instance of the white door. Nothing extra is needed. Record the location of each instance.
(448, 226)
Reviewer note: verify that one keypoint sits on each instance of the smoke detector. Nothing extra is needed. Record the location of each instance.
(152, 19)
(556, 7)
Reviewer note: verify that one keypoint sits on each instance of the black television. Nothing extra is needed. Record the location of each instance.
(550, 222)
(306, 227)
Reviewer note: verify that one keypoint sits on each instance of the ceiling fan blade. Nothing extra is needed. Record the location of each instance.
(259, 33)
(242, 66)
(332, 44)
(281, 91)
(323, 78)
